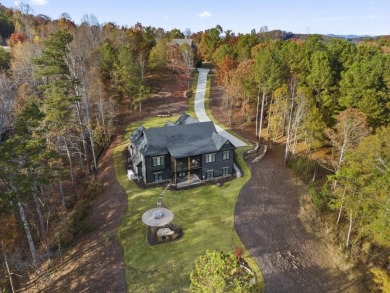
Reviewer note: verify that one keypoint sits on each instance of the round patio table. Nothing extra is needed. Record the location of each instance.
(157, 217)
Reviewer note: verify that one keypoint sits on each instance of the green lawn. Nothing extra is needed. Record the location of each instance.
(205, 213)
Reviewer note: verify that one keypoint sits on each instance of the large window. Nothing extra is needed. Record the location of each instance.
(226, 155)
(158, 176)
(209, 174)
(210, 158)
(225, 171)
(158, 161)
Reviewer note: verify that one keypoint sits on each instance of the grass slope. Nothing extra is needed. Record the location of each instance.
(206, 215)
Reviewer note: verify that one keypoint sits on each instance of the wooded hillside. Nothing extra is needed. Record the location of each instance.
(61, 85)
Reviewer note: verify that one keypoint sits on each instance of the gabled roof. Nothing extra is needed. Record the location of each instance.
(180, 42)
(185, 119)
(187, 137)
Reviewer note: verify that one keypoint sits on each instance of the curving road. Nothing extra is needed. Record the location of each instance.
(266, 219)
(201, 112)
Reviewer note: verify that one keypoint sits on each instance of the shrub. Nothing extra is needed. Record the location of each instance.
(94, 188)
(78, 222)
(220, 272)
(319, 197)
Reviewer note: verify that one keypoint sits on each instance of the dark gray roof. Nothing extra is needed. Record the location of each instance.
(185, 119)
(180, 140)
(182, 41)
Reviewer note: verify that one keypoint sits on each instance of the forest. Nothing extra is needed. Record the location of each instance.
(61, 85)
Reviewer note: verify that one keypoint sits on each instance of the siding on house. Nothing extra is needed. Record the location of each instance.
(180, 147)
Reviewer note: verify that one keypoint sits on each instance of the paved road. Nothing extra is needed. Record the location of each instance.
(266, 219)
(200, 110)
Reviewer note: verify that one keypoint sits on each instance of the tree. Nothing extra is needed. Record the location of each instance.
(7, 101)
(349, 130)
(210, 42)
(180, 59)
(158, 55)
(175, 34)
(363, 87)
(294, 60)
(143, 93)
(364, 186)
(321, 81)
(5, 60)
(6, 26)
(269, 76)
(220, 272)
(25, 164)
(127, 74)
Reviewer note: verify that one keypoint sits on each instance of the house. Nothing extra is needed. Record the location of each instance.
(186, 151)
(180, 42)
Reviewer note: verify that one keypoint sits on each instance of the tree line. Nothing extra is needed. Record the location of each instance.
(324, 94)
(62, 83)
(61, 88)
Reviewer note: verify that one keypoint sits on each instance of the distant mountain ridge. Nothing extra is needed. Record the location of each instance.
(349, 36)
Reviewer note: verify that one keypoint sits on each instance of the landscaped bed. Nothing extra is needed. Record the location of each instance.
(205, 214)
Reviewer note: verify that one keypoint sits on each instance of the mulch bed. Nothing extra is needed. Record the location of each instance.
(154, 240)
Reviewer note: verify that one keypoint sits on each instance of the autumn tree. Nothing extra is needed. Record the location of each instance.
(25, 161)
(210, 42)
(350, 128)
(363, 188)
(180, 59)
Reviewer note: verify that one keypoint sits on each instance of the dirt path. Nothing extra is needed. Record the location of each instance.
(95, 262)
(267, 221)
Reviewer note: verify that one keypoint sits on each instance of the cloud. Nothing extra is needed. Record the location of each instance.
(205, 14)
(17, 3)
(38, 2)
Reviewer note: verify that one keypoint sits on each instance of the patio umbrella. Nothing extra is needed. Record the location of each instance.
(157, 217)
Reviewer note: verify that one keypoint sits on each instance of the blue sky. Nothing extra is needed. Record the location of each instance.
(362, 17)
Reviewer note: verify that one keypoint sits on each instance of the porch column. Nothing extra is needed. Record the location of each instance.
(189, 172)
(175, 172)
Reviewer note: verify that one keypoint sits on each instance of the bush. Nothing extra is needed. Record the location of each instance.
(319, 197)
(220, 272)
(78, 222)
(94, 188)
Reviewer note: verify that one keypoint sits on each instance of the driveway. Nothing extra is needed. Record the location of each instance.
(200, 110)
(266, 220)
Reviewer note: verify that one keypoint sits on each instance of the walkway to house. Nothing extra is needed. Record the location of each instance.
(201, 112)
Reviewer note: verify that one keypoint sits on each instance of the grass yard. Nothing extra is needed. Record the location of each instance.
(206, 215)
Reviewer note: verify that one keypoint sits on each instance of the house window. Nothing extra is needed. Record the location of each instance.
(209, 174)
(158, 176)
(225, 171)
(226, 155)
(182, 174)
(210, 158)
(157, 161)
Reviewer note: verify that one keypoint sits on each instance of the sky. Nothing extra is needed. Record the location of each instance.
(359, 17)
